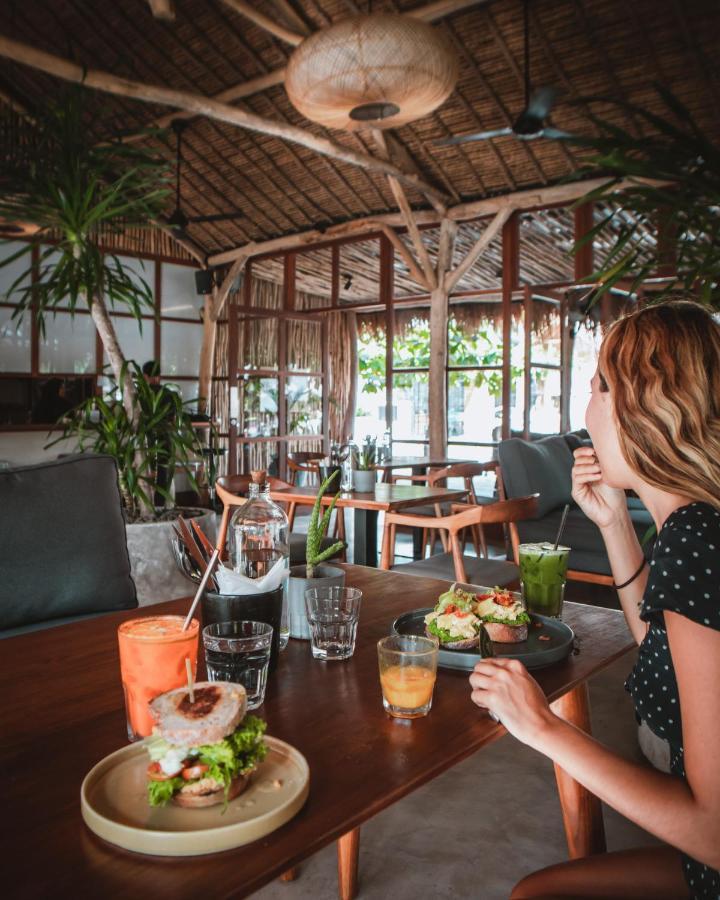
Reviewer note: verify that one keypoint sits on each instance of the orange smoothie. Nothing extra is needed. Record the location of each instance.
(152, 660)
(408, 687)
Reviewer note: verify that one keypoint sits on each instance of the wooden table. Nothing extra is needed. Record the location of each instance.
(385, 498)
(63, 711)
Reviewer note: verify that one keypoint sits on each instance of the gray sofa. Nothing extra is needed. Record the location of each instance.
(544, 467)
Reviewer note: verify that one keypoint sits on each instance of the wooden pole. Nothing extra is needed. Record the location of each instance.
(482, 242)
(257, 17)
(162, 9)
(203, 106)
(417, 274)
(441, 8)
(509, 280)
(437, 388)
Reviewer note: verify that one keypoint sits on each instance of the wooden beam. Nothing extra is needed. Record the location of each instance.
(510, 268)
(237, 92)
(392, 149)
(163, 9)
(463, 212)
(255, 15)
(441, 8)
(203, 106)
(437, 376)
(501, 217)
(291, 17)
(415, 271)
(221, 293)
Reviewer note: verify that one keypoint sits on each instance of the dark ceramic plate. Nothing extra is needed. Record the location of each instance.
(534, 653)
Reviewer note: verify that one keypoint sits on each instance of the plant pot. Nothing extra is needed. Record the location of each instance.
(327, 471)
(327, 576)
(152, 564)
(364, 480)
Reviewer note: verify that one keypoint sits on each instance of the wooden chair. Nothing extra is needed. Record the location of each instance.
(232, 490)
(454, 565)
(304, 461)
(466, 471)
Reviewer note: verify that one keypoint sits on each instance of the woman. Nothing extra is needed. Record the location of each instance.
(654, 419)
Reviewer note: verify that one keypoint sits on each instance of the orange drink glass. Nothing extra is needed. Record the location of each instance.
(153, 651)
(408, 668)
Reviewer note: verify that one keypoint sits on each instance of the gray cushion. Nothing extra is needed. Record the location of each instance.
(484, 572)
(62, 534)
(541, 467)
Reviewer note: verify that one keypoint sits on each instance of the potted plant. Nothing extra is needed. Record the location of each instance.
(313, 574)
(365, 473)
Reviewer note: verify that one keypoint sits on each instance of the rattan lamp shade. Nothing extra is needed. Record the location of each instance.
(379, 70)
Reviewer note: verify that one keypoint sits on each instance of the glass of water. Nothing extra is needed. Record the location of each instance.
(333, 618)
(239, 652)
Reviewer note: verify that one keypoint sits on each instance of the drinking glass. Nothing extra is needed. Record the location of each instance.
(408, 668)
(543, 571)
(333, 618)
(239, 652)
(152, 660)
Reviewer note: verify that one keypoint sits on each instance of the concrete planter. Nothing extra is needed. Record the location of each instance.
(364, 480)
(327, 576)
(152, 565)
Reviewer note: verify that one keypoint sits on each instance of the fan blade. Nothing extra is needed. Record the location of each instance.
(557, 134)
(541, 102)
(478, 136)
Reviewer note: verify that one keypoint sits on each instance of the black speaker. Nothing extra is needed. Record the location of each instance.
(204, 281)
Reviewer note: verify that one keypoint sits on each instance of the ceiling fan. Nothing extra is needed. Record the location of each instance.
(531, 123)
(178, 219)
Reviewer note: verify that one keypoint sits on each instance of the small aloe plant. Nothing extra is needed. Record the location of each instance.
(317, 529)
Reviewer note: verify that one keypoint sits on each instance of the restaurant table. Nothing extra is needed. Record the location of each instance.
(385, 498)
(63, 711)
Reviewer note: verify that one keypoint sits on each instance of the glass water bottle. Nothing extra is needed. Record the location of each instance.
(259, 538)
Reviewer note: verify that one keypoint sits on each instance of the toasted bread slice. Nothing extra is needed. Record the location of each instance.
(506, 634)
(210, 795)
(218, 709)
(464, 644)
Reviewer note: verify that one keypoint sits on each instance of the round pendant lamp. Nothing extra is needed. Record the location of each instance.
(378, 70)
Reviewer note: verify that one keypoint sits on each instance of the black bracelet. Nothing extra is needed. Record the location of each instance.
(619, 587)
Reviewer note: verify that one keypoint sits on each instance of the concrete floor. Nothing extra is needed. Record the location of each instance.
(477, 829)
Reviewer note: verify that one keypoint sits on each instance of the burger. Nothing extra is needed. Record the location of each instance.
(202, 751)
(503, 616)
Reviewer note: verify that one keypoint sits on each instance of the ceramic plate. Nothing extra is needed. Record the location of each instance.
(549, 640)
(114, 805)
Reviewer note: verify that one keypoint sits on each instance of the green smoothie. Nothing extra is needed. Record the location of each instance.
(543, 570)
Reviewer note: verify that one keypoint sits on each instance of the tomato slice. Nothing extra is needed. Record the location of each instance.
(189, 773)
(155, 773)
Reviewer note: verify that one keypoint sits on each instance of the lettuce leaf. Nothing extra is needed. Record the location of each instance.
(522, 619)
(161, 792)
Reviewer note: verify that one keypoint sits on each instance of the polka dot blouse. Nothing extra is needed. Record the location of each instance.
(685, 579)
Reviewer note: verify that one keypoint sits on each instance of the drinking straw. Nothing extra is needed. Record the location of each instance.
(562, 525)
(201, 587)
(191, 684)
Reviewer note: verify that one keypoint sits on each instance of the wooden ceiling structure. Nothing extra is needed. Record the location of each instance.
(289, 184)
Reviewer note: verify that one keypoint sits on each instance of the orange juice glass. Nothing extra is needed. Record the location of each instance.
(408, 668)
(153, 651)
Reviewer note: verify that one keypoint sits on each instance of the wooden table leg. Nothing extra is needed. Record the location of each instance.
(291, 874)
(348, 850)
(581, 810)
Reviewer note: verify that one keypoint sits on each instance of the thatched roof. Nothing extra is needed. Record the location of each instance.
(611, 48)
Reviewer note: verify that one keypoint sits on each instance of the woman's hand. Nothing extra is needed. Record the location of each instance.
(505, 688)
(605, 506)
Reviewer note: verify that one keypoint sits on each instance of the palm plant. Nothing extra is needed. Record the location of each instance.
(73, 191)
(675, 175)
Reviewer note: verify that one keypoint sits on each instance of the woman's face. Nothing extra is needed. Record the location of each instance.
(600, 422)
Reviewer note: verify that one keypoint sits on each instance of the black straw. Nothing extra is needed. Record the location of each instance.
(562, 525)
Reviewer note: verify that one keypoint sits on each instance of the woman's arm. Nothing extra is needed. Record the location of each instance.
(607, 508)
(684, 814)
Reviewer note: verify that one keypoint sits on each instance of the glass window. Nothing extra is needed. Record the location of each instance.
(304, 404)
(15, 352)
(258, 343)
(258, 406)
(46, 264)
(13, 270)
(263, 455)
(135, 345)
(475, 405)
(546, 332)
(180, 348)
(410, 405)
(411, 342)
(585, 349)
(545, 401)
(304, 346)
(141, 270)
(68, 344)
(407, 448)
(178, 296)
(188, 390)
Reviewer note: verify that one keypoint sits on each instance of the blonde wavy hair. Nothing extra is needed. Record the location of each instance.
(662, 366)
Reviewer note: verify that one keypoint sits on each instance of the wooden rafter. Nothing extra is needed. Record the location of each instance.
(472, 256)
(292, 19)
(256, 16)
(203, 106)
(162, 9)
(415, 271)
(441, 8)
